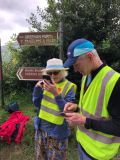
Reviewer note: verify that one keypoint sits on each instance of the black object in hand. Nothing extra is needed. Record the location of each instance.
(42, 83)
(47, 77)
(62, 113)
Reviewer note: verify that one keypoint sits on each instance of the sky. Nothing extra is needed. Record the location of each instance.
(13, 15)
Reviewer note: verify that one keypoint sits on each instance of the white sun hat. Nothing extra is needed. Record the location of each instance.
(54, 64)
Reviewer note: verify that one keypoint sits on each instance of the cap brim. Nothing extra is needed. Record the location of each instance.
(70, 61)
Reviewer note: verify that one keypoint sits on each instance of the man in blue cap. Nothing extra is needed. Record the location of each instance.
(98, 120)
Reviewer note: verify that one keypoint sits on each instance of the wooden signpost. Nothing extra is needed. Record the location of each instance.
(29, 73)
(35, 39)
(38, 38)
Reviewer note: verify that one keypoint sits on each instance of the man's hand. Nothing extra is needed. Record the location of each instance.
(70, 107)
(75, 118)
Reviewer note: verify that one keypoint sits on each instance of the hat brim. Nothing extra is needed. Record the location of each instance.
(54, 69)
(70, 61)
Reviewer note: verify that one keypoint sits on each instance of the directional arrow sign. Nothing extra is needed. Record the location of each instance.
(29, 73)
(38, 38)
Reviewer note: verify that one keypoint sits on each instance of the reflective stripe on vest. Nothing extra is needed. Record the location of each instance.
(63, 93)
(49, 109)
(100, 138)
(101, 97)
(102, 92)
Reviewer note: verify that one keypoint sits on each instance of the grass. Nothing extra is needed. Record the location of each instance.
(25, 150)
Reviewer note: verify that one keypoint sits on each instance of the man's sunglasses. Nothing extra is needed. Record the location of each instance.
(54, 72)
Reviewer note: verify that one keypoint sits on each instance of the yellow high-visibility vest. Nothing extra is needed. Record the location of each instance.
(93, 104)
(49, 110)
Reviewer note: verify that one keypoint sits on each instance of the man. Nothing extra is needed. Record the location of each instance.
(98, 123)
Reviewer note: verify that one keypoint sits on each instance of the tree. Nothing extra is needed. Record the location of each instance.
(10, 67)
(96, 20)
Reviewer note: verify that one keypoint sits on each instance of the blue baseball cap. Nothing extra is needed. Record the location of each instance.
(76, 49)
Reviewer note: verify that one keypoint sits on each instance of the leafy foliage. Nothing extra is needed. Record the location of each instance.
(96, 20)
(24, 57)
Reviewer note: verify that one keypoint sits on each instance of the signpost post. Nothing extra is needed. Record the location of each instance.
(1, 80)
(29, 73)
(38, 38)
(61, 40)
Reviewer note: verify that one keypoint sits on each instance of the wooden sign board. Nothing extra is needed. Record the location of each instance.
(38, 38)
(29, 73)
